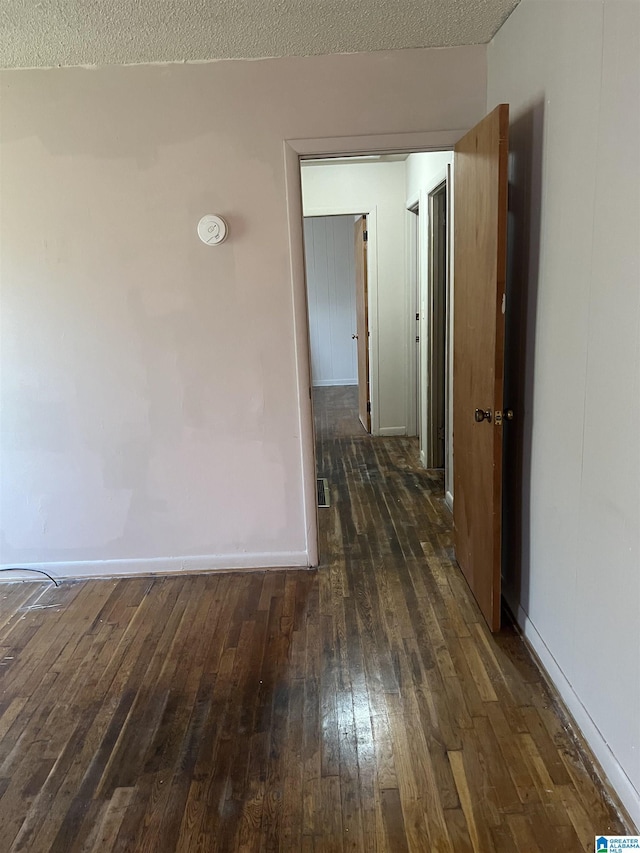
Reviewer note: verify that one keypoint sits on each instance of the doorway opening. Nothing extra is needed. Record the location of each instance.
(377, 275)
(337, 300)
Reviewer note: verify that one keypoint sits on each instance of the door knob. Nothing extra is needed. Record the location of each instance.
(482, 415)
(354, 337)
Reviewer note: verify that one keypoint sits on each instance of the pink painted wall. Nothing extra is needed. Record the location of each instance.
(149, 392)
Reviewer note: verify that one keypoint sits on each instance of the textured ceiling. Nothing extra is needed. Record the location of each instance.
(97, 32)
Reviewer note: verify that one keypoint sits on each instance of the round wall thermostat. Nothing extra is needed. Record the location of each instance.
(212, 230)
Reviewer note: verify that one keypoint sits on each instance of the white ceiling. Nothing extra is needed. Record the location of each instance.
(97, 32)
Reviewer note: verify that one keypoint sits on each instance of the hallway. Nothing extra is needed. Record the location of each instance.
(361, 707)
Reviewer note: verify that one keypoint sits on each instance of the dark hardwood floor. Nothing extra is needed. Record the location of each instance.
(363, 706)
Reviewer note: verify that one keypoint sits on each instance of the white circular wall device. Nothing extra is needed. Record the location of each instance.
(212, 230)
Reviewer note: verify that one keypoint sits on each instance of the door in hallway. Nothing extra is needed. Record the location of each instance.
(480, 230)
(362, 321)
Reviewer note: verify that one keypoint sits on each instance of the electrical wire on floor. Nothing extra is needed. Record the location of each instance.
(39, 571)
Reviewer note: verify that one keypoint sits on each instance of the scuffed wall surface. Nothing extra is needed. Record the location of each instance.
(148, 391)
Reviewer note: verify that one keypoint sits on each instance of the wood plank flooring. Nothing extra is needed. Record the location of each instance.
(363, 706)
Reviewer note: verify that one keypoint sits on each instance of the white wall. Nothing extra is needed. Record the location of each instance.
(571, 73)
(151, 389)
(331, 294)
(376, 188)
(423, 169)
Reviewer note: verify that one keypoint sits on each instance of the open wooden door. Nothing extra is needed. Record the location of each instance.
(362, 322)
(480, 247)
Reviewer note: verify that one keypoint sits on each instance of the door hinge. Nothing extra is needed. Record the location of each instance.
(440, 433)
(365, 236)
(369, 407)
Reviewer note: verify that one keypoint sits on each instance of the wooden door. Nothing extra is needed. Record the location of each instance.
(480, 242)
(362, 322)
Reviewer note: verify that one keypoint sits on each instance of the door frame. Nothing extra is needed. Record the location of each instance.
(295, 150)
(431, 439)
(414, 372)
(422, 199)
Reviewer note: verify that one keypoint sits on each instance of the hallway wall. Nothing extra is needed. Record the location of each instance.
(423, 168)
(571, 74)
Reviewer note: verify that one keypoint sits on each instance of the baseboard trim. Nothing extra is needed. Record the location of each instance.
(389, 431)
(326, 383)
(93, 569)
(610, 767)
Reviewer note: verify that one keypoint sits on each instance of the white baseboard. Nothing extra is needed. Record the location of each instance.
(89, 569)
(388, 431)
(324, 383)
(618, 779)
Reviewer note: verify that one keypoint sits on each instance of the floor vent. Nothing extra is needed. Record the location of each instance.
(323, 492)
